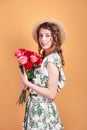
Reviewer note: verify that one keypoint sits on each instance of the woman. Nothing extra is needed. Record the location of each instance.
(41, 112)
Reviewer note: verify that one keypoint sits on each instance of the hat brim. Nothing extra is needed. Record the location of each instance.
(61, 27)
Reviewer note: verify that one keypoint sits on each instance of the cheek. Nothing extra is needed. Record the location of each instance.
(51, 39)
(39, 40)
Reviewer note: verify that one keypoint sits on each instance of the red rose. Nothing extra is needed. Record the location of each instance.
(34, 53)
(28, 65)
(39, 62)
(28, 53)
(33, 58)
(23, 60)
(19, 52)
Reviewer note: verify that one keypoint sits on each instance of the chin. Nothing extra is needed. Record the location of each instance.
(45, 47)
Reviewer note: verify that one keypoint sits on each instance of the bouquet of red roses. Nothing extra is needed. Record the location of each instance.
(29, 61)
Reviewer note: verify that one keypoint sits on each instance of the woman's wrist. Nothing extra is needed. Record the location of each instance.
(28, 83)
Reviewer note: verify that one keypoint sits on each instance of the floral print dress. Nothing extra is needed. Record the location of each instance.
(41, 113)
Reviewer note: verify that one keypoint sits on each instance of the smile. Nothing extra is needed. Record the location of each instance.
(43, 43)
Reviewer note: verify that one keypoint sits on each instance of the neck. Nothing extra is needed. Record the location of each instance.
(47, 52)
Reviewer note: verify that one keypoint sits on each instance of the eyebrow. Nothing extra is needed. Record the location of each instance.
(45, 33)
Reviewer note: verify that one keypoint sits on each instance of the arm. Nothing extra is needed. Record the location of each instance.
(51, 90)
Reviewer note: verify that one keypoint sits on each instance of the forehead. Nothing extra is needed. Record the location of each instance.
(42, 30)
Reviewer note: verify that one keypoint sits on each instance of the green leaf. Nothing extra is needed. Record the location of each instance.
(30, 74)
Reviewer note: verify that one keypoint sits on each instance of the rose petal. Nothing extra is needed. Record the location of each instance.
(33, 58)
(23, 60)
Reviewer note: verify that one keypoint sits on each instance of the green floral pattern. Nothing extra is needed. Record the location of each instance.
(41, 113)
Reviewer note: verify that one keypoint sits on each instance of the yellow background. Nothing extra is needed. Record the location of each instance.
(17, 18)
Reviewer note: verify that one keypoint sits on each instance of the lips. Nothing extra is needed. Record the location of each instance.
(43, 43)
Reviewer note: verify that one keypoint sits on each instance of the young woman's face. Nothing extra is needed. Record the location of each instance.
(45, 38)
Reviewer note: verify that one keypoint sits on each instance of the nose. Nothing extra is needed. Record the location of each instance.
(43, 38)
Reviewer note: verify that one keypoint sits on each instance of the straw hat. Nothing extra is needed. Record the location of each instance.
(60, 26)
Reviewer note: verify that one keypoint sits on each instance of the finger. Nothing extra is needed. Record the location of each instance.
(21, 68)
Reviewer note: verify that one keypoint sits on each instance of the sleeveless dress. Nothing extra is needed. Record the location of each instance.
(41, 113)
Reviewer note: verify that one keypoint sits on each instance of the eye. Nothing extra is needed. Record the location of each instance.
(40, 35)
(47, 35)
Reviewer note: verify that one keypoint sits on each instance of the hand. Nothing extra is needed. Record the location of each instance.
(24, 78)
(23, 86)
